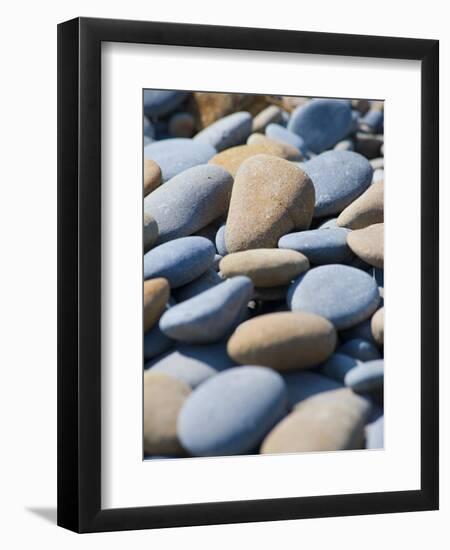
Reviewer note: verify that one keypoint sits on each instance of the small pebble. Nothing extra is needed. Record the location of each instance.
(272, 113)
(289, 152)
(338, 365)
(377, 326)
(368, 209)
(226, 132)
(150, 231)
(360, 349)
(221, 247)
(152, 176)
(281, 134)
(304, 384)
(368, 244)
(156, 296)
(366, 377)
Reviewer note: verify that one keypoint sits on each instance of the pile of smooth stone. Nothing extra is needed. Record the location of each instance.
(263, 274)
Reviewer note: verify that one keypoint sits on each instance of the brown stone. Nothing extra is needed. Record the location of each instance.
(289, 151)
(152, 176)
(287, 102)
(283, 341)
(368, 244)
(377, 326)
(329, 421)
(361, 105)
(163, 398)
(368, 209)
(270, 114)
(270, 197)
(156, 296)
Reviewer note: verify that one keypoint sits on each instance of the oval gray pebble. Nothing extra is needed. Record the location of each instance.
(221, 247)
(366, 376)
(279, 133)
(375, 434)
(226, 132)
(360, 349)
(338, 365)
(179, 366)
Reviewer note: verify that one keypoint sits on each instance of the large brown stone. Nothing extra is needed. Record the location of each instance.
(163, 398)
(289, 152)
(330, 421)
(270, 197)
(156, 295)
(366, 210)
(284, 341)
(377, 326)
(368, 244)
(270, 114)
(152, 176)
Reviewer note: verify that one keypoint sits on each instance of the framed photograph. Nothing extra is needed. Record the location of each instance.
(241, 212)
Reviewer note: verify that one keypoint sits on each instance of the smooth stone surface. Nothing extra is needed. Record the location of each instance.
(270, 198)
(216, 262)
(377, 326)
(266, 267)
(375, 434)
(210, 315)
(344, 295)
(221, 247)
(368, 244)
(182, 125)
(284, 341)
(272, 113)
(360, 349)
(156, 343)
(283, 135)
(156, 296)
(226, 132)
(338, 365)
(368, 209)
(329, 421)
(230, 413)
(161, 102)
(163, 399)
(177, 154)
(331, 223)
(321, 123)
(208, 280)
(339, 177)
(180, 366)
(189, 201)
(152, 176)
(367, 376)
(319, 246)
(179, 261)
(345, 145)
(150, 231)
(304, 384)
(289, 152)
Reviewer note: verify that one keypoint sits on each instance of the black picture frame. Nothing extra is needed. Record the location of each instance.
(79, 274)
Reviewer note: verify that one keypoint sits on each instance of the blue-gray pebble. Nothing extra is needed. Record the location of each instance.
(206, 281)
(338, 365)
(226, 132)
(344, 295)
(179, 261)
(149, 131)
(230, 413)
(161, 102)
(180, 366)
(366, 377)
(303, 384)
(221, 247)
(279, 133)
(360, 349)
(156, 343)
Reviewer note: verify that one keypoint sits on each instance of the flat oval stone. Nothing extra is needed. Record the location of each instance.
(160, 102)
(366, 210)
(344, 295)
(329, 421)
(338, 365)
(226, 132)
(152, 176)
(156, 343)
(339, 177)
(156, 296)
(321, 123)
(360, 349)
(230, 413)
(189, 201)
(210, 315)
(284, 341)
(365, 377)
(266, 267)
(221, 247)
(270, 198)
(272, 113)
(319, 246)
(231, 159)
(283, 135)
(190, 371)
(179, 261)
(150, 231)
(182, 125)
(375, 434)
(377, 326)
(177, 154)
(208, 280)
(163, 399)
(304, 384)
(289, 152)
(368, 244)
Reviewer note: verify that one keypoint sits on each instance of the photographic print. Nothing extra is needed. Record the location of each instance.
(263, 274)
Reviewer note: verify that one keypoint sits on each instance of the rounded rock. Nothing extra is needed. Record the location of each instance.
(368, 244)
(226, 132)
(360, 349)
(377, 326)
(156, 343)
(288, 152)
(366, 377)
(272, 113)
(183, 368)
(161, 102)
(150, 231)
(281, 134)
(375, 434)
(304, 384)
(368, 209)
(208, 280)
(152, 176)
(338, 365)
(221, 247)
(156, 296)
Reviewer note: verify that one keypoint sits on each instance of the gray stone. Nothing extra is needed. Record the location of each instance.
(156, 343)
(338, 365)
(366, 377)
(375, 434)
(360, 349)
(208, 280)
(161, 102)
(182, 367)
(279, 133)
(226, 132)
(303, 384)
(220, 241)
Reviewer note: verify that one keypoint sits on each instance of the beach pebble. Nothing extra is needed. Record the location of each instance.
(272, 113)
(303, 384)
(221, 247)
(230, 413)
(288, 152)
(368, 209)
(216, 261)
(338, 365)
(189, 201)
(208, 280)
(330, 223)
(150, 231)
(177, 154)
(339, 177)
(266, 267)
(368, 244)
(270, 198)
(179, 261)
(377, 326)
(329, 421)
(319, 246)
(161, 102)
(321, 123)
(366, 376)
(284, 341)
(345, 145)
(226, 132)
(156, 296)
(163, 399)
(360, 349)
(182, 367)
(156, 343)
(344, 295)
(283, 135)
(375, 434)
(378, 175)
(182, 125)
(372, 121)
(210, 315)
(152, 176)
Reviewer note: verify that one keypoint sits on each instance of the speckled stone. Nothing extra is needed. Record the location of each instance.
(189, 201)
(177, 154)
(180, 366)
(283, 135)
(152, 176)
(284, 341)
(375, 434)
(339, 177)
(360, 349)
(368, 209)
(221, 247)
(179, 261)
(161, 102)
(210, 315)
(319, 246)
(156, 295)
(338, 365)
(270, 114)
(182, 125)
(270, 198)
(321, 123)
(163, 399)
(368, 244)
(226, 132)
(366, 377)
(208, 280)
(344, 295)
(289, 152)
(266, 267)
(150, 231)
(230, 413)
(156, 343)
(304, 384)
(377, 326)
(329, 421)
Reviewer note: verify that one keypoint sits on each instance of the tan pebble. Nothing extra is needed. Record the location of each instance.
(151, 232)
(289, 151)
(368, 209)
(266, 267)
(163, 398)
(368, 244)
(152, 176)
(270, 114)
(156, 296)
(286, 102)
(377, 326)
(283, 341)
(330, 421)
